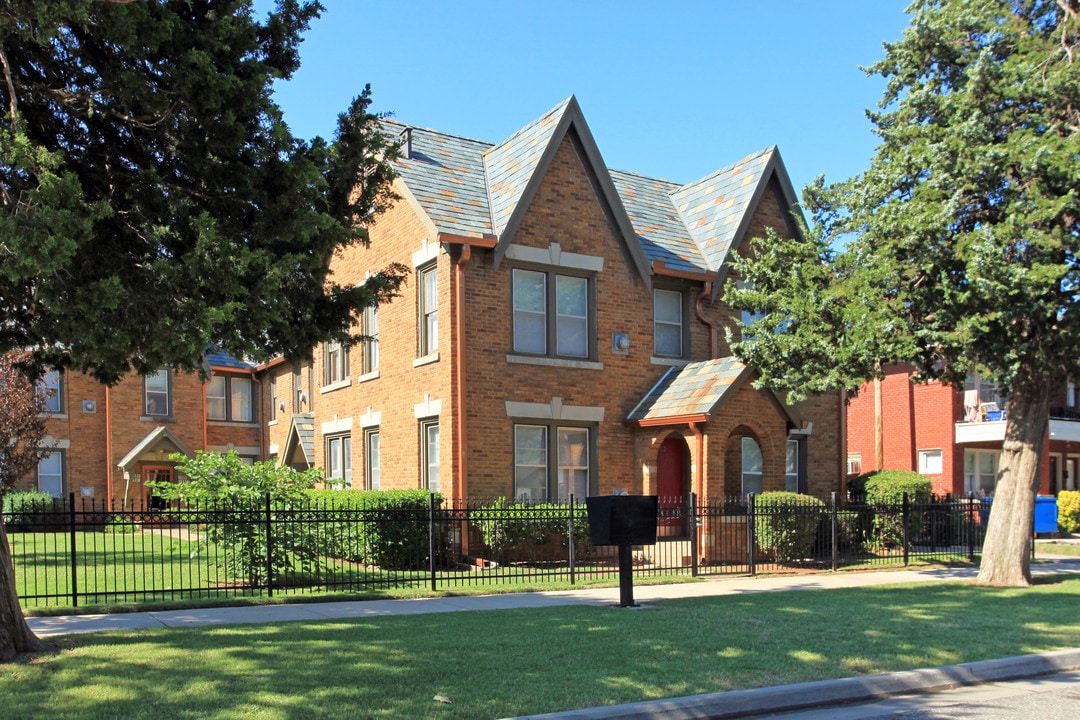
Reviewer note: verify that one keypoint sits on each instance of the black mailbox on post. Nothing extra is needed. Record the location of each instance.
(623, 520)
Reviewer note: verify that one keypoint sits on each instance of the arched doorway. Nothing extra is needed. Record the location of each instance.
(673, 487)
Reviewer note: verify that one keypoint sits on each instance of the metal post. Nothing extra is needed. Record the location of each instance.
(835, 534)
(972, 527)
(626, 576)
(74, 551)
(269, 549)
(431, 539)
(904, 524)
(570, 541)
(751, 534)
(693, 535)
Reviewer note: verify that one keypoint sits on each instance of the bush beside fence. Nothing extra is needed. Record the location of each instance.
(72, 554)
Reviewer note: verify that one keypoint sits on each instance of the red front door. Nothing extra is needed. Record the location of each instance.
(671, 486)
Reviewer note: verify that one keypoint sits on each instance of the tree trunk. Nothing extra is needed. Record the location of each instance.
(1006, 556)
(15, 635)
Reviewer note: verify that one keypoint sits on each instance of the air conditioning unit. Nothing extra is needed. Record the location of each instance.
(854, 467)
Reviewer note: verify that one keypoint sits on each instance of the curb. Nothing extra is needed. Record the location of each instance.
(782, 698)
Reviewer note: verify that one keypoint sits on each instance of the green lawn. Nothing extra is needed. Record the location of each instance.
(500, 663)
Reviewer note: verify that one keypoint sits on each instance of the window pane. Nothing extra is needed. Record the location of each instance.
(571, 307)
(791, 466)
(333, 458)
(530, 462)
(571, 295)
(346, 460)
(431, 447)
(215, 398)
(157, 393)
(50, 387)
(667, 339)
(240, 389)
(530, 315)
(667, 306)
(373, 460)
(752, 466)
(573, 462)
(51, 474)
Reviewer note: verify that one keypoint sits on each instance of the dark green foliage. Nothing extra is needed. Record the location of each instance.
(386, 528)
(786, 524)
(957, 249)
(32, 510)
(506, 526)
(888, 487)
(152, 198)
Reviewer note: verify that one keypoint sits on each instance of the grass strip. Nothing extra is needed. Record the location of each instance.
(511, 662)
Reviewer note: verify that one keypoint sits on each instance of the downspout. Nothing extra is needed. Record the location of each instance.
(843, 443)
(714, 329)
(205, 436)
(459, 367)
(108, 446)
(879, 428)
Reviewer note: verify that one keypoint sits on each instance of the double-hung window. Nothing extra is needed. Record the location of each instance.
(372, 459)
(553, 314)
(371, 339)
(335, 363)
(791, 466)
(552, 462)
(229, 398)
(753, 466)
(51, 387)
(667, 323)
(429, 454)
(429, 310)
(50, 474)
(339, 461)
(157, 394)
(273, 397)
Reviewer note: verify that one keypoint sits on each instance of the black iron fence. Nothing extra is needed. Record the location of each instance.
(90, 553)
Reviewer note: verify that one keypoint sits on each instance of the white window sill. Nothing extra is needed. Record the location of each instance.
(335, 386)
(426, 360)
(367, 377)
(271, 423)
(53, 416)
(158, 418)
(554, 362)
(668, 361)
(231, 423)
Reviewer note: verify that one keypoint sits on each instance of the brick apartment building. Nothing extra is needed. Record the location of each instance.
(107, 442)
(561, 334)
(953, 436)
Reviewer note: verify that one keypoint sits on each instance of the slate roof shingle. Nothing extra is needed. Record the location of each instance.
(697, 388)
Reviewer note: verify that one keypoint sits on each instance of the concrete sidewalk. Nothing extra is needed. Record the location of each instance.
(740, 703)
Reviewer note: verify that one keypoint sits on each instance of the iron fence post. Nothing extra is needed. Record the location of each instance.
(693, 535)
(751, 534)
(74, 551)
(570, 541)
(269, 548)
(834, 516)
(972, 528)
(431, 539)
(904, 527)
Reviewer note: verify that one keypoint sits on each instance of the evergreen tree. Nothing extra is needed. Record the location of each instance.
(153, 201)
(959, 242)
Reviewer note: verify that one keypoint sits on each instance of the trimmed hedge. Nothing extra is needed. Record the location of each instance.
(31, 510)
(1068, 508)
(789, 536)
(506, 526)
(393, 533)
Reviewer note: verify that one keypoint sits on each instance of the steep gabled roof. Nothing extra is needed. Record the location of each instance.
(160, 439)
(465, 188)
(300, 435)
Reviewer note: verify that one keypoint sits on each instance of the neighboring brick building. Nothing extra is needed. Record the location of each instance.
(561, 333)
(952, 436)
(106, 442)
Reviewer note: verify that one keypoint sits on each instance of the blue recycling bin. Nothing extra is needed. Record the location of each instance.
(1046, 514)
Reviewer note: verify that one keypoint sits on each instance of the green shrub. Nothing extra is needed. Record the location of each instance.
(118, 525)
(387, 528)
(852, 529)
(786, 523)
(236, 493)
(888, 487)
(1068, 509)
(32, 509)
(506, 526)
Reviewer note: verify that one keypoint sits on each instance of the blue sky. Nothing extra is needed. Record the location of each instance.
(673, 89)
